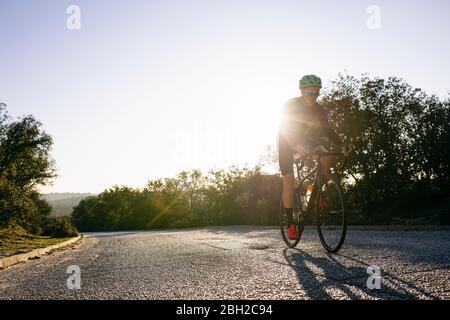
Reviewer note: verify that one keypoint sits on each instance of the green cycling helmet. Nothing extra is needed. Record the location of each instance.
(310, 81)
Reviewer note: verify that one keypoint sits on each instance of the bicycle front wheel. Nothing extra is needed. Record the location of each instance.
(331, 215)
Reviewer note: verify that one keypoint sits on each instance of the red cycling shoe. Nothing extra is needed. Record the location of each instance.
(293, 232)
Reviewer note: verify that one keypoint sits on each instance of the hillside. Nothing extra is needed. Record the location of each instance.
(62, 203)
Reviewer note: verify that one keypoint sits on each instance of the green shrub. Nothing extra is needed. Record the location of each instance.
(59, 227)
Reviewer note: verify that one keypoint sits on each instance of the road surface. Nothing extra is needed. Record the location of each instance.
(237, 263)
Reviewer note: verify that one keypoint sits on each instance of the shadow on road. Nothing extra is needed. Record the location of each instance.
(327, 278)
(392, 278)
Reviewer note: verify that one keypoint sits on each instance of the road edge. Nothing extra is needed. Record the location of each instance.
(36, 253)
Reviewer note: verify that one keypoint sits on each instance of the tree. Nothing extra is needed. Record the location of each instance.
(401, 139)
(25, 163)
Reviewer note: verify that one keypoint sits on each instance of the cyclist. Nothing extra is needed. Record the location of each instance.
(303, 129)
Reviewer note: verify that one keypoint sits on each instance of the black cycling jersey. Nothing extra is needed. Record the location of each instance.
(304, 125)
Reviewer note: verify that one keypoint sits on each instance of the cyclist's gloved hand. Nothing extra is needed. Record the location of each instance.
(346, 150)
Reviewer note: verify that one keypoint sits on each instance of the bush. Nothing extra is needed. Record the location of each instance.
(59, 227)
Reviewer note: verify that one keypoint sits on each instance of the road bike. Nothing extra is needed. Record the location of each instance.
(324, 201)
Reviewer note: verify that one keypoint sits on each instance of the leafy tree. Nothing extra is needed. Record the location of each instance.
(25, 163)
(401, 139)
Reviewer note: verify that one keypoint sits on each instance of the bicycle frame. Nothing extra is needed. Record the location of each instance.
(318, 171)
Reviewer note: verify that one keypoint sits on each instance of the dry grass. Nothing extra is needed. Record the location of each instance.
(16, 240)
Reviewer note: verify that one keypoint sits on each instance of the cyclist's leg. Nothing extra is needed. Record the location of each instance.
(288, 190)
(325, 161)
(285, 157)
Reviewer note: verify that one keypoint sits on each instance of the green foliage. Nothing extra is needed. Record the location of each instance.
(239, 196)
(59, 227)
(114, 209)
(25, 163)
(401, 137)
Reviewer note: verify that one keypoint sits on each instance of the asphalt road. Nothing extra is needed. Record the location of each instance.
(237, 263)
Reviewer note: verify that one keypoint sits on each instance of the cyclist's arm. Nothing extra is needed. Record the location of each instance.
(329, 133)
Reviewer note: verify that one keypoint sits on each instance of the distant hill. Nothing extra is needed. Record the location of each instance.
(63, 203)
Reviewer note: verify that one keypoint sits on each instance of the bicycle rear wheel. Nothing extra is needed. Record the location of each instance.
(291, 243)
(331, 215)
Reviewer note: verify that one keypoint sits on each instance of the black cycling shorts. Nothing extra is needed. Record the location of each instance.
(286, 155)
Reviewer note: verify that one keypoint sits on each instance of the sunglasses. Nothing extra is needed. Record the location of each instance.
(310, 93)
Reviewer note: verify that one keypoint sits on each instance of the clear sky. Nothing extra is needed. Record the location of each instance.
(145, 89)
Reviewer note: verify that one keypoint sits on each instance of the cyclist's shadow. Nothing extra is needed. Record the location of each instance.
(321, 276)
